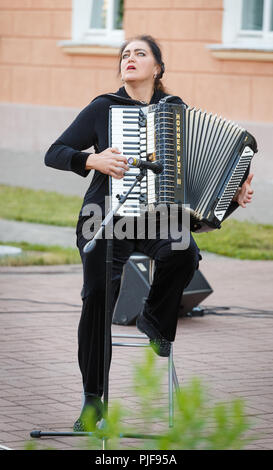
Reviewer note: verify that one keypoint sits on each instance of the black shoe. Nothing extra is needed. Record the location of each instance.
(160, 345)
(81, 426)
(92, 412)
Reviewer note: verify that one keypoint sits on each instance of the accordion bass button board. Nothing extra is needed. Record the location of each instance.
(204, 158)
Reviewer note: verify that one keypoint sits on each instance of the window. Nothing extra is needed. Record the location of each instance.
(248, 24)
(106, 14)
(98, 22)
(252, 15)
(257, 19)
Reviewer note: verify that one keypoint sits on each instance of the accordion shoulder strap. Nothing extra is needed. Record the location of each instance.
(112, 95)
(163, 100)
(120, 98)
(123, 98)
(166, 98)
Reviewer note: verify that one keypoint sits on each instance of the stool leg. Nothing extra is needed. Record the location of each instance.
(175, 379)
(151, 271)
(170, 380)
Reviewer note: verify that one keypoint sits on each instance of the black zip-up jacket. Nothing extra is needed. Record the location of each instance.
(90, 128)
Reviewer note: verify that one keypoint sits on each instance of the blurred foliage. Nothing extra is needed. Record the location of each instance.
(197, 424)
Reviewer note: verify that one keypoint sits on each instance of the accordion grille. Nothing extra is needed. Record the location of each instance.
(210, 141)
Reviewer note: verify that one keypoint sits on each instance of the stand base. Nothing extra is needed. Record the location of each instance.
(38, 434)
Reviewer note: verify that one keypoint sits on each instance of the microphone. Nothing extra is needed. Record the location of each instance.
(156, 167)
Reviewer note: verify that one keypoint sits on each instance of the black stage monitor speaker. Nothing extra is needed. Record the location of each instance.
(135, 288)
(197, 290)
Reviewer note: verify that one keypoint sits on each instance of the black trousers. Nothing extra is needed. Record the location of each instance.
(174, 270)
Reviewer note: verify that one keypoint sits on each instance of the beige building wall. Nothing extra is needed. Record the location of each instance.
(36, 70)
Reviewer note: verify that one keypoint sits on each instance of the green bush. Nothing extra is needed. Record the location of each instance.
(197, 425)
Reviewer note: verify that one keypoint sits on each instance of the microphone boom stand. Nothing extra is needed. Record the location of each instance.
(108, 290)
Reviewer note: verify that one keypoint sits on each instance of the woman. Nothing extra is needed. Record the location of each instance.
(141, 69)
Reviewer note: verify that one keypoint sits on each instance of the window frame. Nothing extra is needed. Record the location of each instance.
(82, 33)
(233, 34)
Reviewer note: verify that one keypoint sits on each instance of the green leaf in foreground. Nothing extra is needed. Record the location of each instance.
(198, 423)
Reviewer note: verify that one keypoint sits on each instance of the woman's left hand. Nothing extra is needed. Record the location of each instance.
(244, 194)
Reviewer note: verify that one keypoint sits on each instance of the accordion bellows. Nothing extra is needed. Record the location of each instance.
(204, 158)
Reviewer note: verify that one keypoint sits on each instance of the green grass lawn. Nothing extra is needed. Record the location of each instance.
(243, 240)
(37, 255)
(44, 207)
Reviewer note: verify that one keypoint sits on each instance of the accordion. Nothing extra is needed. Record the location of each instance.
(204, 159)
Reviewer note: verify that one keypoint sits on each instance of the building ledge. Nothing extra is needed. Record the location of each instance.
(260, 53)
(83, 48)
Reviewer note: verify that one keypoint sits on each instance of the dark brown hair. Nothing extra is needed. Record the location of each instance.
(156, 53)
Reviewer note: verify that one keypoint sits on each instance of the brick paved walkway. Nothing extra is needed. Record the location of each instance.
(40, 384)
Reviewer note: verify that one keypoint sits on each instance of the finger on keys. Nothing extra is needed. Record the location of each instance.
(115, 150)
(118, 173)
(123, 159)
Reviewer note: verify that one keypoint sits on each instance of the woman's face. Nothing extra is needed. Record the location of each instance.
(138, 63)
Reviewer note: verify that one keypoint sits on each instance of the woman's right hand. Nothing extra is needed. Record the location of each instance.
(109, 162)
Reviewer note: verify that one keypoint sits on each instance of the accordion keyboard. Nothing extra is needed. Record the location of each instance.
(130, 139)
